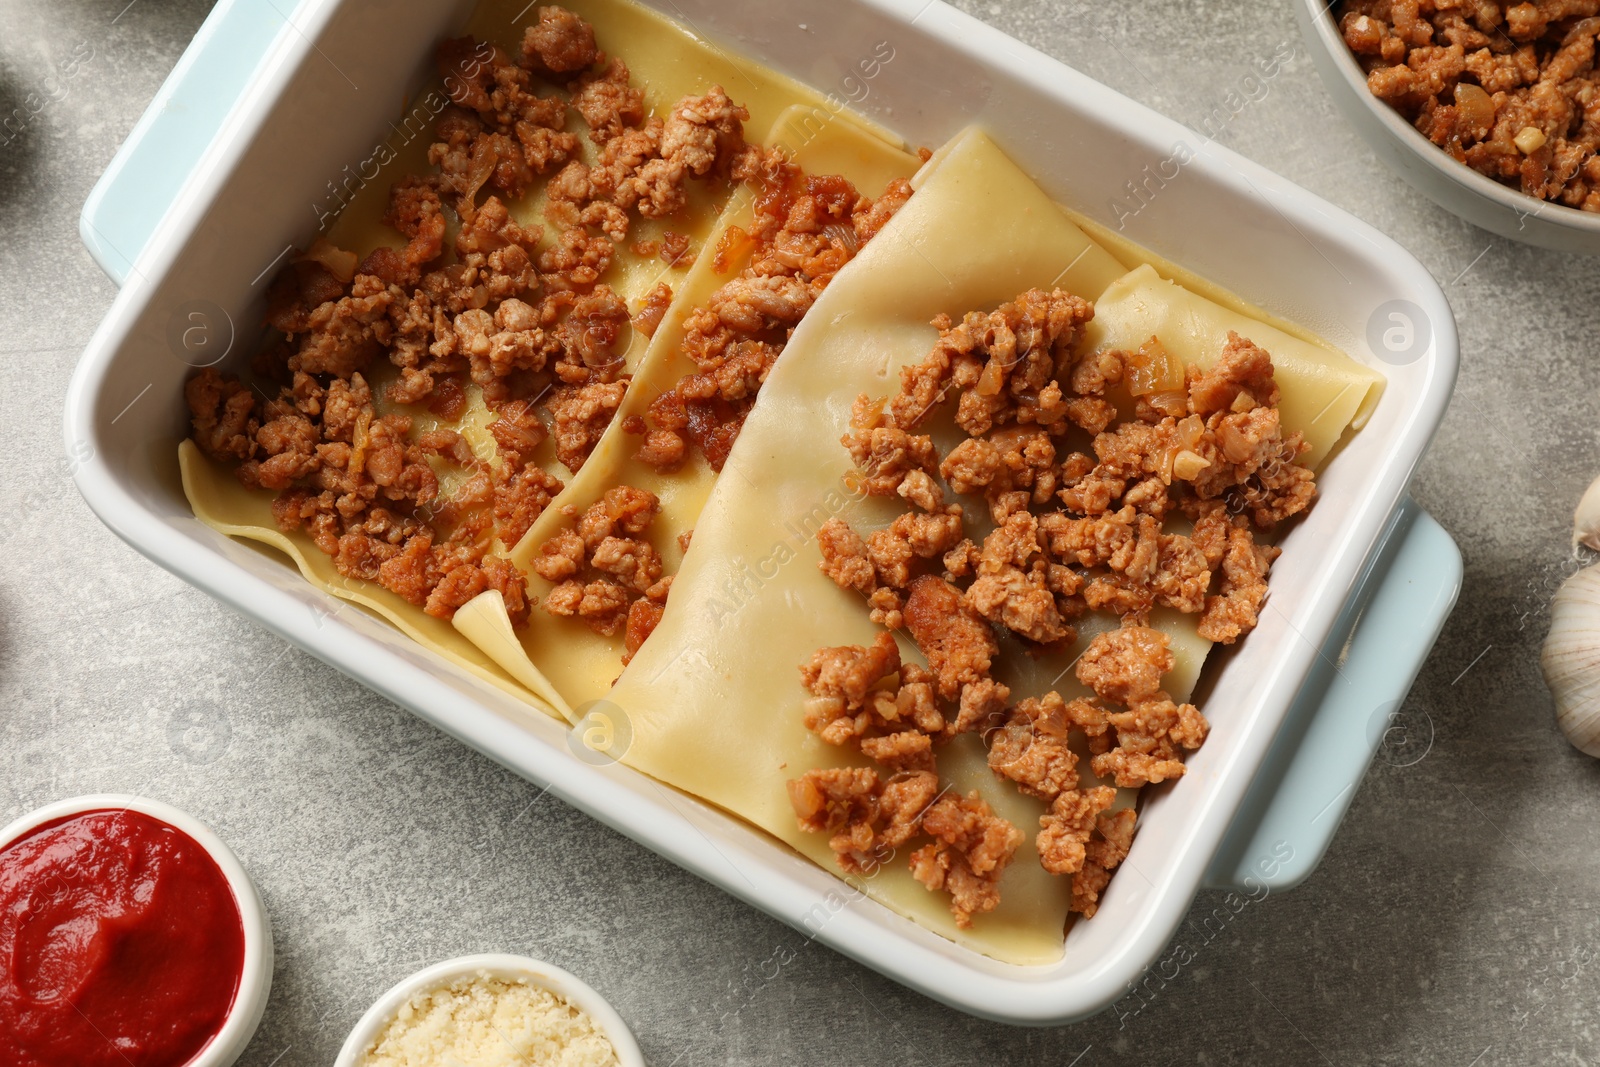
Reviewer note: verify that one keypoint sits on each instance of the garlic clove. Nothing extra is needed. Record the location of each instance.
(1571, 658)
(1586, 520)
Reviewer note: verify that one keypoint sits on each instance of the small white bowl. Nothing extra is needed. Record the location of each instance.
(493, 965)
(255, 981)
(1454, 186)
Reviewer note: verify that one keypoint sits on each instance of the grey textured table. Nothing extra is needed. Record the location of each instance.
(1450, 924)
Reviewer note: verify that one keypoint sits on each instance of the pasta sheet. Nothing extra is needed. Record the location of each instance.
(713, 699)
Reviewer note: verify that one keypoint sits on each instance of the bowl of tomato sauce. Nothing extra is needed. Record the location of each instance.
(130, 936)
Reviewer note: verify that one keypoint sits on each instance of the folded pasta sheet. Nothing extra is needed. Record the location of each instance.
(714, 699)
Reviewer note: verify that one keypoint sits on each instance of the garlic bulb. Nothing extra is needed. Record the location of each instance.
(1571, 658)
(1586, 520)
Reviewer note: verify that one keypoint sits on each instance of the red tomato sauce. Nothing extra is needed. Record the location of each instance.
(121, 944)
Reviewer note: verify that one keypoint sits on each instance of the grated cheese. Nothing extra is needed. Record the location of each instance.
(479, 1021)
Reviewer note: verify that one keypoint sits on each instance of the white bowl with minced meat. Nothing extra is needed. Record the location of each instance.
(1500, 208)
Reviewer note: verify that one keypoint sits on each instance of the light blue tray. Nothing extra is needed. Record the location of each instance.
(1344, 713)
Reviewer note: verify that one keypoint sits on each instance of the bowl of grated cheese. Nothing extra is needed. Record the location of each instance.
(491, 1010)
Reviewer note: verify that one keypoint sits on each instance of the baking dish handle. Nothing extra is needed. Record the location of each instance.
(132, 197)
(1351, 709)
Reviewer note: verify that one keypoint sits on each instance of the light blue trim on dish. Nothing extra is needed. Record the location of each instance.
(131, 198)
(1330, 736)
(1348, 708)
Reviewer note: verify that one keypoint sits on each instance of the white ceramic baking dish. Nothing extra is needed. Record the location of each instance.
(1358, 596)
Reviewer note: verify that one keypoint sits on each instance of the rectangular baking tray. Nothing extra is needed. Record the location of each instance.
(231, 163)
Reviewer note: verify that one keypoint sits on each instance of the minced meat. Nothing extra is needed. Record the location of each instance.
(604, 568)
(523, 317)
(806, 228)
(1073, 531)
(1508, 89)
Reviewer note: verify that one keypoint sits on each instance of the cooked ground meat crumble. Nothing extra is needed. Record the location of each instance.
(527, 319)
(806, 227)
(1508, 89)
(1081, 501)
(605, 572)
